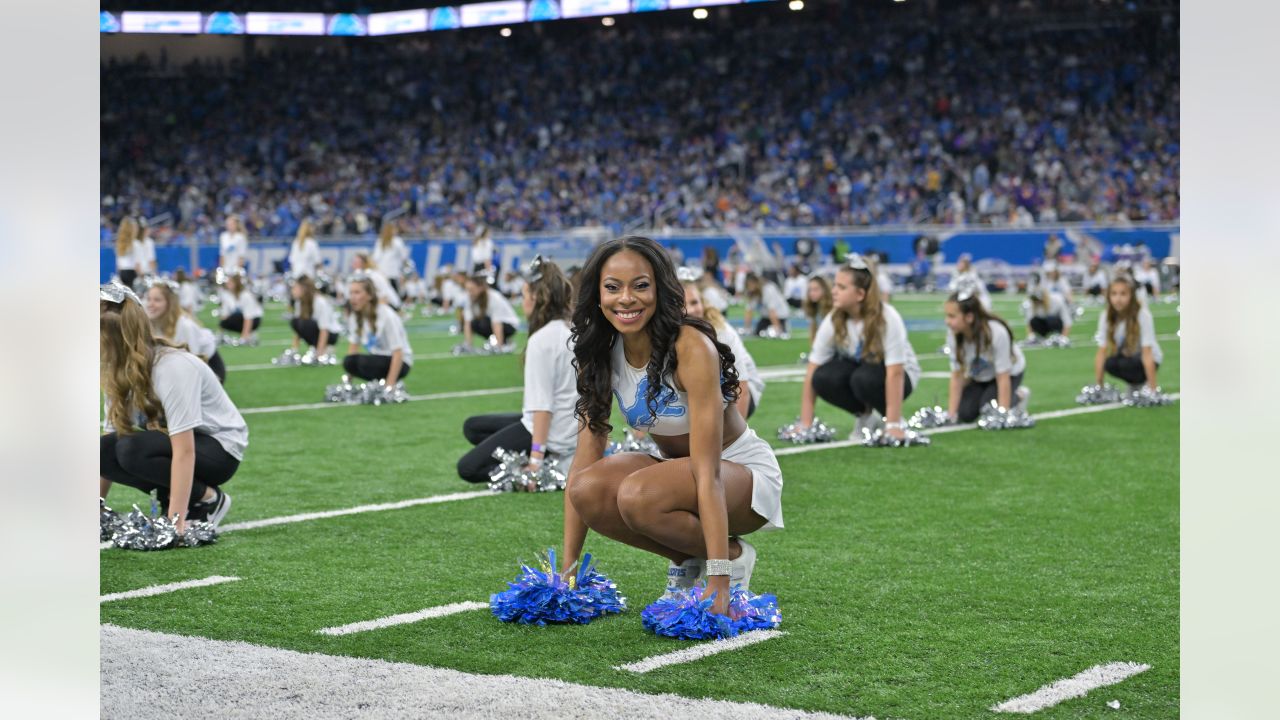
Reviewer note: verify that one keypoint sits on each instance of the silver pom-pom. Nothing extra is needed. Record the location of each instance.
(881, 438)
(493, 347)
(380, 393)
(109, 521)
(343, 392)
(144, 532)
(994, 417)
(772, 333)
(462, 349)
(453, 329)
(1097, 395)
(633, 443)
(1057, 341)
(1033, 341)
(945, 350)
(311, 359)
(1146, 397)
(510, 475)
(288, 358)
(817, 432)
(930, 417)
(804, 357)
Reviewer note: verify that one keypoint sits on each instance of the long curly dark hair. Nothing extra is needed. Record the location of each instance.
(593, 335)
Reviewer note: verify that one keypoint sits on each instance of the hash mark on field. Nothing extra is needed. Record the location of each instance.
(168, 588)
(404, 618)
(697, 652)
(1075, 686)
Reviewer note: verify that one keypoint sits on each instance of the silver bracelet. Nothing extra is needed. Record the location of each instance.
(719, 567)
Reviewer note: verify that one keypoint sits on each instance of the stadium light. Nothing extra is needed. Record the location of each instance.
(796, 4)
(607, 22)
(505, 32)
(700, 14)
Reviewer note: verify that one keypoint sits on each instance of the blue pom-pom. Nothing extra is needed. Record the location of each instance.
(688, 616)
(541, 596)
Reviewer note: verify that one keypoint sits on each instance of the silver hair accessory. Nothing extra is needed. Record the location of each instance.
(966, 288)
(688, 274)
(857, 262)
(117, 293)
(994, 417)
(817, 432)
(1097, 395)
(1146, 397)
(510, 474)
(930, 417)
(154, 280)
(881, 438)
(534, 272)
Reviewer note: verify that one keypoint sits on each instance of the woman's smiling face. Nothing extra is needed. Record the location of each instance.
(627, 291)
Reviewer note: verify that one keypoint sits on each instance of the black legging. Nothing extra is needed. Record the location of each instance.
(235, 322)
(1127, 367)
(854, 386)
(127, 277)
(142, 460)
(977, 395)
(483, 327)
(764, 324)
(218, 367)
(1046, 324)
(309, 331)
(488, 433)
(371, 367)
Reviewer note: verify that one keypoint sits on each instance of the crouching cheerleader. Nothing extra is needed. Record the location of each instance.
(546, 425)
(1047, 314)
(486, 312)
(239, 309)
(170, 426)
(378, 329)
(1127, 345)
(315, 322)
(714, 480)
(986, 364)
(171, 322)
(861, 360)
(750, 383)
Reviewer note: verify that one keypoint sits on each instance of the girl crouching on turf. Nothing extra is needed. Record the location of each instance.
(191, 438)
(546, 424)
(817, 303)
(1047, 314)
(986, 364)
(1127, 346)
(171, 322)
(316, 321)
(715, 480)
(750, 384)
(765, 298)
(861, 360)
(378, 329)
(239, 309)
(486, 312)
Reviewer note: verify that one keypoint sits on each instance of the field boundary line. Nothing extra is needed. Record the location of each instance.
(1077, 685)
(166, 588)
(404, 618)
(697, 652)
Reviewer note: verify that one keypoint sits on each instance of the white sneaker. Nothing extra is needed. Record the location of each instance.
(869, 422)
(740, 571)
(1022, 396)
(683, 577)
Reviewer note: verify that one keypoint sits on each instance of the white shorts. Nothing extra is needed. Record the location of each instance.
(753, 453)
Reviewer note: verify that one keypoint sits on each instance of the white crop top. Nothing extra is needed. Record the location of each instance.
(631, 385)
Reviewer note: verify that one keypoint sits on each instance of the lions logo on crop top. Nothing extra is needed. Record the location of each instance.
(637, 412)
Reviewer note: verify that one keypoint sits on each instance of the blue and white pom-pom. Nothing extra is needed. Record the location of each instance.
(687, 615)
(542, 596)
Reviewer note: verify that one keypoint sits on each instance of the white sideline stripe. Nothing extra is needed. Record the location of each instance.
(697, 652)
(306, 686)
(270, 366)
(1077, 685)
(162, 589)
(412, 398)
(404, 618)
(304, 517)
(957, 428)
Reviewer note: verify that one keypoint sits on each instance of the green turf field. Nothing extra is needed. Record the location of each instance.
(914, 583)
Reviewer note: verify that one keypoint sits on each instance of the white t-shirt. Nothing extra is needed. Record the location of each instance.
(482, 252)
(897, 348)
(198, 340)
(1060, 287)
(1055, 306)
(714, 296)
(743, 362)
(1097, 280)
(793, 287)
(233, 247)
(551, 385)
(246, 302)
(452, 293)
(323, 313)
(193, 399)
(771, 299)
(391, 335)
(189, 297)
(500, 310)
(884, 282)
(386, 293)
(305, 259)
(1146, 334)
(146, 251)
(1143, 276)
(1000, 356)
(390, 260)
(129, 259)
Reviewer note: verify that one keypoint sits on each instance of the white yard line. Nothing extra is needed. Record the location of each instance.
(699, 651)
(404, 618)
(1075, 686)
(798, 449)
(270, 366)
(168, 588)
(412, 398)
(240, 680)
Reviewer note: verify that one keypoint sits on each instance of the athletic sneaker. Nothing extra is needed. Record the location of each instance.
(211, 511)
(1023, 395)
(740, 571)
(683, 577)
(868, 421)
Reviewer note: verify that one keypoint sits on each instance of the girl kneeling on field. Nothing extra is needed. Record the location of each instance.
(986, 364)
(1127, 345)
(378, 329)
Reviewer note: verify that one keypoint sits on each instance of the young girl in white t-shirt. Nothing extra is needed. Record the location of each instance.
(390, 254)
(986, 363)
(315, 320)
(817, 303)
(861, 359)
(485, 312)
(233, 245)
(170, 426)
(378, 329)
(764, 298)
(239, 308)
(1127, 345)
(545, 425)
(171, 322)
(304, 253)
(750, 383)
(127, 251)
(1047, 314)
